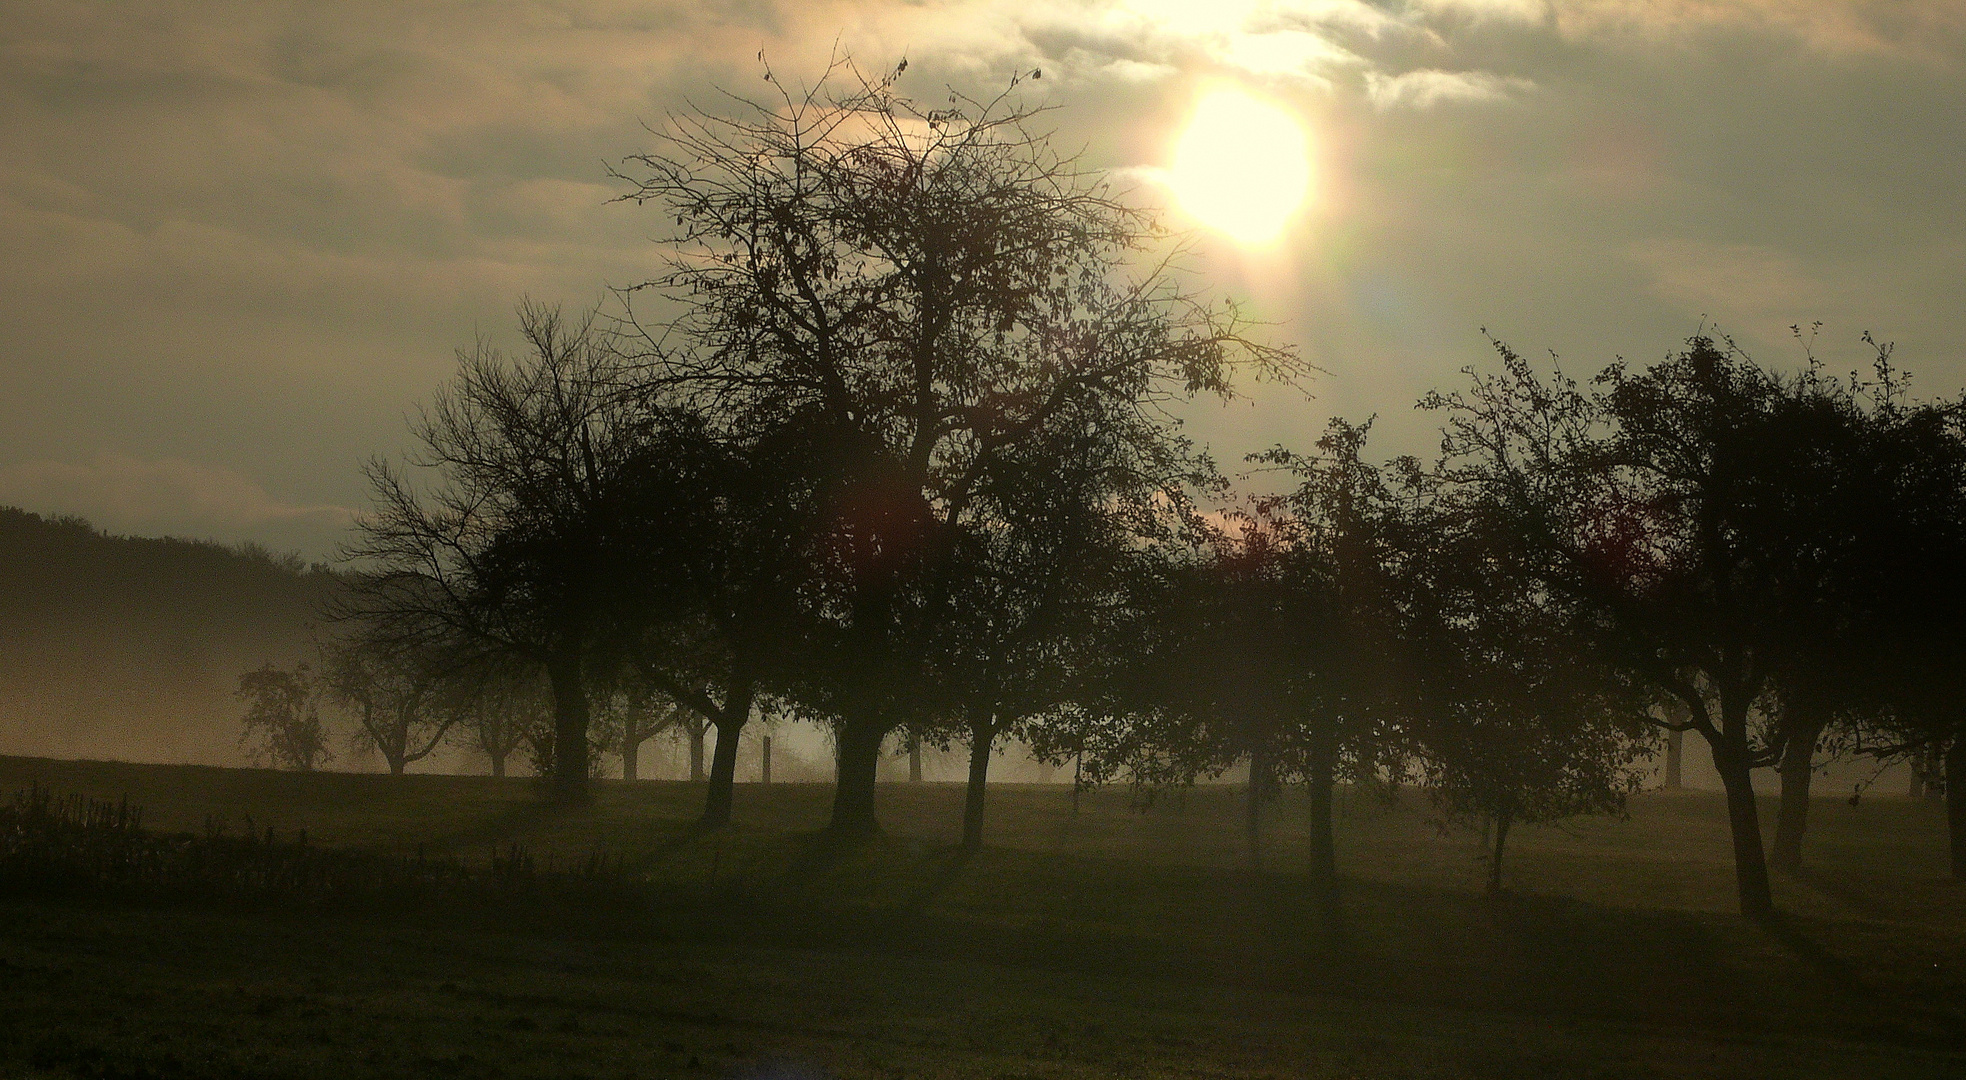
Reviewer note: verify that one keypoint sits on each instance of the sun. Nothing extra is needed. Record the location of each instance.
(1242, 166)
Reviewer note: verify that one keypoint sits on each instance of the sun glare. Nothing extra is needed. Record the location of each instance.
(1242, 167)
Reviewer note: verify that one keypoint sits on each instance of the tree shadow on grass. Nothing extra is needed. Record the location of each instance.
(943, 868)
(1843, 891)
(1839, 973)
(1548, 955)
(811, 856)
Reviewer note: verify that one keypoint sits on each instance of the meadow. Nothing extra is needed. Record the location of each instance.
(1113, 939)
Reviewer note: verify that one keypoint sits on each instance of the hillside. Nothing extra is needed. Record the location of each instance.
(128, 647)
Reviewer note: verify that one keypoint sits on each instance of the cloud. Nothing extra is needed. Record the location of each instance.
(1835, 26)
(250, 234)
(168, 497)
(1291, 42)
(1518, 11)
(1745, 289)
(1428, 87)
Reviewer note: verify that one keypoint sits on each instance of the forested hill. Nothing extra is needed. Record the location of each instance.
(129, 647)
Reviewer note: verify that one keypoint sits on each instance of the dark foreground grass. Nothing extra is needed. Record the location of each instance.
(1114, 942)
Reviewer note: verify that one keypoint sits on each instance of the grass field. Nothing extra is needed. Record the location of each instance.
(1113, 942)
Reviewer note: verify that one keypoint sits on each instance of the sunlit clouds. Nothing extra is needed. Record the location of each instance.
(250, 235)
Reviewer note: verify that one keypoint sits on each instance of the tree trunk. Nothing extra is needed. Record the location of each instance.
(1675, 747)
(631, 750)
(914, 761)
(696, 753)
(723, 772)
(569, 728)
(1917, 790)
(981, 736)
(1320, 775)
(1502, 822)
(853, 788)
(764, 762)
(397, 763)
(1798, 768)
(1730, 758)
(497, 764)
(1259, 783)
(1956, 803)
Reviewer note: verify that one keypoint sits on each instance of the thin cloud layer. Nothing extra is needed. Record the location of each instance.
(1428, 87)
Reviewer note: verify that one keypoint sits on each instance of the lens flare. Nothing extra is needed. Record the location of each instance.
(1242, 166)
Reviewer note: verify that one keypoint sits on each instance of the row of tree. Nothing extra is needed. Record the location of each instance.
(891, 451)
(405, 708)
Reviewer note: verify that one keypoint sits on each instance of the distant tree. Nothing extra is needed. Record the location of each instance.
(398, 700)
(112, 644)
(500, 709)
(283, 720)
(920, 292)
(695, 730)
(643, 716)
(539, 746)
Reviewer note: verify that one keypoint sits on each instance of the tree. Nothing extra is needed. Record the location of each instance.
(1815, 496)
(397, 700)
(694, 728)
(502, 707)
(918, 293)
(513, 551)
(283, 721)
(1353, 534)
(726, 541)
(1218, 672)
(1667, 524)
(647, 717)
(1037, 599)
(1903, 590)
(1268, 645)
(1511, 727)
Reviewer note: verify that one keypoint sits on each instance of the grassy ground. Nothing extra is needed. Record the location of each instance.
(1115, 941)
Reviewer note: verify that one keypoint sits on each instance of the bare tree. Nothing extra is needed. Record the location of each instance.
(502, 706)
(397, 699)
(499, 539)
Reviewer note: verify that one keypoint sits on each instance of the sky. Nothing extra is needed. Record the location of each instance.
(240, 242)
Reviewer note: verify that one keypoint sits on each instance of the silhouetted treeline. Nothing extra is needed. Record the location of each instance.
(130, 647)
(897, 458)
